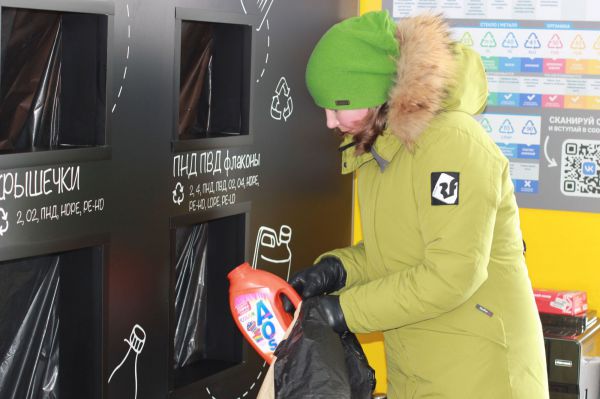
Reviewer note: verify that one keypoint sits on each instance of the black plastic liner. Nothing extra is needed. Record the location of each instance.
(195, 79)
(53, 80)
(29, 348)
(316, 362)
(206, 340)
(190, 295)
(50, 326)
(214, 80)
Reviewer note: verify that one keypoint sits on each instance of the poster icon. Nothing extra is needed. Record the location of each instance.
(510, 41)
(486, 125)
(507, 127)
(488, 40)
(136, 341)
(533, 42)
(589, 168)
(555, 42)
(578, 43)
(467, 39)
(529, 128)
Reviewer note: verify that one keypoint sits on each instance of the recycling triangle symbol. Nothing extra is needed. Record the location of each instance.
(555, 42)
(467, 39)
(510, 41)
(597, 44)
(533, 41)
(486, 125)
(578, 43)
(529, 128)
(282, 104)
(507, 127)
(3, 221)
(488, 40)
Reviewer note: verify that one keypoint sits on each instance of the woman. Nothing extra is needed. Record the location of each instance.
(440, 270)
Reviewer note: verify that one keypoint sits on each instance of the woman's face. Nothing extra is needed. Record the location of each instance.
(347, 121)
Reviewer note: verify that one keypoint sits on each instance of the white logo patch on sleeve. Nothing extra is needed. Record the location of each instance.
(444, 188)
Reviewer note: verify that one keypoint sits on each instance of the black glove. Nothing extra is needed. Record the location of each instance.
(322, 278)
(329, 306)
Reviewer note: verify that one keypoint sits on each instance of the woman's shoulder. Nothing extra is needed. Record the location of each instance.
(458, 134)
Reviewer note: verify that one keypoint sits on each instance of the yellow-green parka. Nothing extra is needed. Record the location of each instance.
(440, 269)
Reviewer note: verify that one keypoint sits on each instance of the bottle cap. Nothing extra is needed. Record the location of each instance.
(285, 234)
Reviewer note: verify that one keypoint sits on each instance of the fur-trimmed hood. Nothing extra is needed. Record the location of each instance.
(433, 74)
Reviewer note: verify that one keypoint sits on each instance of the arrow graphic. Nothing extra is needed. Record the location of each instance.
(551, 162)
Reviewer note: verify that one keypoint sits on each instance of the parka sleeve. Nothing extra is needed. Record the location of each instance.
(354, 260)
(457, 237)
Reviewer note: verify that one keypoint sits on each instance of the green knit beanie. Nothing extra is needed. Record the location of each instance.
(353, 66)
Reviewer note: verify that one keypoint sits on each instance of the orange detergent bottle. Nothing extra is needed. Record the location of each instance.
(256, 306)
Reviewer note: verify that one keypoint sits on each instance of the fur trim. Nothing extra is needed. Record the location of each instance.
(425, 69)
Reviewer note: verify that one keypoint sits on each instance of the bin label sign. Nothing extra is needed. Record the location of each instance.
(256, 315)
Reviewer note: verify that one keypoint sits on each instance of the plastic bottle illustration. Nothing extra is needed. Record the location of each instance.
(136, 342)
(272, 251)
(256, 306)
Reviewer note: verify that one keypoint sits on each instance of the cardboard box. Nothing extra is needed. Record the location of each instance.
(561, 302)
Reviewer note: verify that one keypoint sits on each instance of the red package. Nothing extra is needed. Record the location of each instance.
(561, 302)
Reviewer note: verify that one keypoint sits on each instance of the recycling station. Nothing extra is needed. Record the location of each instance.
(147, 148)
(150, 147)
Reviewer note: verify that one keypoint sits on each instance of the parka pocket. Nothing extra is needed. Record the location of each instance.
(475, 319)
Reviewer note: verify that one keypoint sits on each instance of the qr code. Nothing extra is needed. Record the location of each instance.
(580, 168)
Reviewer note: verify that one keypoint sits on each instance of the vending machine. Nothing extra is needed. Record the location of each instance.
(146, 149)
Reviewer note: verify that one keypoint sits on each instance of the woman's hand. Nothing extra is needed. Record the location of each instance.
(324, 277)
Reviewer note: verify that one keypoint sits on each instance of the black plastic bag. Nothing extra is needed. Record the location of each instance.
(29, 323)
(315, 362)
(212, 80)
(190, 294)
(53, 78)
(197, 40)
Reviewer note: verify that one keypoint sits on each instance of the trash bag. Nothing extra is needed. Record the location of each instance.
(29, 325)
(195, 85)
(361, 375)
(212, 80)
(316, 362)
(190, 294)
(31, 63)
(53, 80)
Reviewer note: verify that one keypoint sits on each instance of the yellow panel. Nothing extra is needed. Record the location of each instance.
(371, 343)
(576, 67)
(369, 5)
(575, 102)
(373, 346)
(563, 250)
(593, 102)
(594, 66)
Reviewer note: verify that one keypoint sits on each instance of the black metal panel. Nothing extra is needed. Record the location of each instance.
(281, 174)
